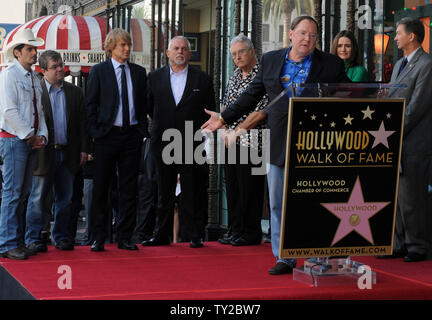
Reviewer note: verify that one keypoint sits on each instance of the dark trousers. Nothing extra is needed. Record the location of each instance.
(245, 198)
(147, 194)
(117, 150)
(411, 230)
(193, 199)
(76, 204)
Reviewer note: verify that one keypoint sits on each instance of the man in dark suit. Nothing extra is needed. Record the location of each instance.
(57, 163)
(178, 94)
(414, 70)
(300, 63)
(116, 120)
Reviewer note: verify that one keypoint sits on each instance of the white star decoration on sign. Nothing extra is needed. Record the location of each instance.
(367, 113)
(348, 119)
(381, 136)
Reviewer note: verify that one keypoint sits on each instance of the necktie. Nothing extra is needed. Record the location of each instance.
(125, 99)
(404, 63)
(36, 115)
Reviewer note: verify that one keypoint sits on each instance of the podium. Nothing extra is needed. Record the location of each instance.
(341, 179)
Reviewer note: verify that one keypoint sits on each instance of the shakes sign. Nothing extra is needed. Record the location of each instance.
(341, 177)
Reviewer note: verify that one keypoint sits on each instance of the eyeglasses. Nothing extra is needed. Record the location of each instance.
(241, 52)
(304, 34)
(56, 66)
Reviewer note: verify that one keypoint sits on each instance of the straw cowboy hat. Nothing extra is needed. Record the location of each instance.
(23, 36)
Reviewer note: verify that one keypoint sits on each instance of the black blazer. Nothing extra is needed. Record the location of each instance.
(77, 140)
(326, 68)
(103, 98)
(198, 94)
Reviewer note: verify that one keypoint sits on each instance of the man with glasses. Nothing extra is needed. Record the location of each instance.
(58, 163)
(245, 191)
(300, 63)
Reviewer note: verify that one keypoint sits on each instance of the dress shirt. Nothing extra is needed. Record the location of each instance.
(16, 102)
(119, 117)
(58, 107)
(411, 55)
(178, 83)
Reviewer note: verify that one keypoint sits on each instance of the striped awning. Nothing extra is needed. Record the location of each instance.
(80, 40)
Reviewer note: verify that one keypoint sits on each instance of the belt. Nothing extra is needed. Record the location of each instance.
(60, 146)
(124, 129)
(4, 134)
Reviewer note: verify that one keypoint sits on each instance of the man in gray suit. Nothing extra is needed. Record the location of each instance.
(414, 70)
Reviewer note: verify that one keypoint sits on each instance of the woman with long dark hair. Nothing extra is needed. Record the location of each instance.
(345, 47)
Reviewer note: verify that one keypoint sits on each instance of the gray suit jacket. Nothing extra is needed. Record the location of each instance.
(76, 135)
(417, 75)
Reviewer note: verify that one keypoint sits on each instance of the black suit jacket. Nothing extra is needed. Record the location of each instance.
(103, 98)
(198, 94)
(326, 68)
(77, 140)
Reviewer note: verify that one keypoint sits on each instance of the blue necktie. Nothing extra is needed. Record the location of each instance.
(404, 63)
(125, 98)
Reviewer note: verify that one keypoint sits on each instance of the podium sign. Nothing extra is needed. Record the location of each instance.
(341, 177)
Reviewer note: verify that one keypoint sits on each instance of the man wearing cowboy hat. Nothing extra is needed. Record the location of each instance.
(22, 130)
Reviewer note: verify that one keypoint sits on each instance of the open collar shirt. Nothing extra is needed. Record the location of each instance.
(236, 85)
(16, 102)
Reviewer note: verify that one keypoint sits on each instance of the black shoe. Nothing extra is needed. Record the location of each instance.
(15, 254)
(28, 251)
(280, 268)
(242, 241)
(414, 257)
(196, 243)
(155, 242)
(97, 246)
(394, 255)
(267, 238)
(37, 247)
(226, 239)
(127, 245)
(65, 245)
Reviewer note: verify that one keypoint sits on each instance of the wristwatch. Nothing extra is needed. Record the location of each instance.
(221, 119)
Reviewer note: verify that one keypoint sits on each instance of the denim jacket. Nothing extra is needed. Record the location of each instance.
(16, 102)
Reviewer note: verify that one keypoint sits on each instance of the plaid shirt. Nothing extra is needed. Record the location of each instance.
(236, 85)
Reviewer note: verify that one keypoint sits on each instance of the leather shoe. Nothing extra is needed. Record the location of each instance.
(196, 243)
(155, 242)
(16, 254)
(37, 247)
(126, 245)
(280, 268)
(394, 255)
(227, 239)
(245, 242)
(28, 251)
(414, 257)
(64, 245)
(97, 246)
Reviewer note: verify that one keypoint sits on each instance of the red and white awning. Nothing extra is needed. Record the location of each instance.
(80, 40)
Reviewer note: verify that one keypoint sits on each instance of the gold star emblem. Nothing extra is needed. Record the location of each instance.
(367, 113)
(348, 119)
